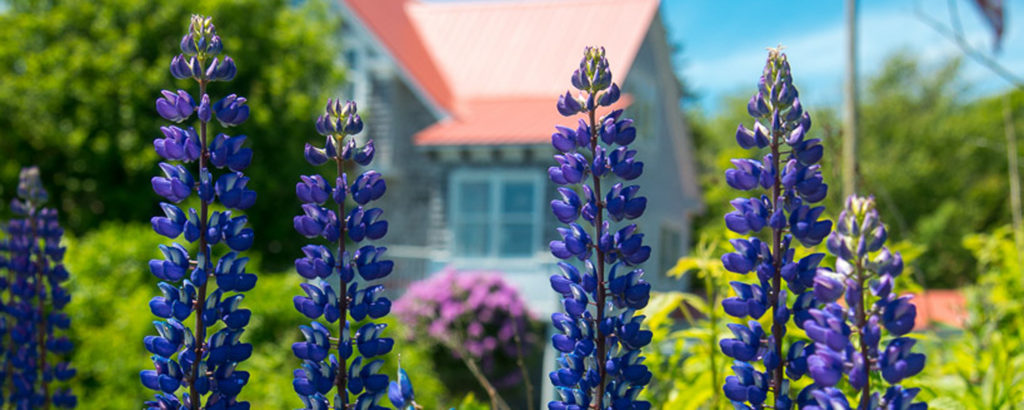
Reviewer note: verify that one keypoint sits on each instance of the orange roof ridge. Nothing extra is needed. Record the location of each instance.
(464, 54)
(519, 3)
(389, 22)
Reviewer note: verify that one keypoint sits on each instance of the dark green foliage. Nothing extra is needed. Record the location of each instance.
(111, 287)
(79, 80)
(936, 160)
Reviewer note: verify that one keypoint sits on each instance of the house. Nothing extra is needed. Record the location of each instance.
(460, 99)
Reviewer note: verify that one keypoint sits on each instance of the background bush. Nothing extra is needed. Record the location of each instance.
(80, 78)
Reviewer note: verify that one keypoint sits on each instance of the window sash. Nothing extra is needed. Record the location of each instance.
(511, 226)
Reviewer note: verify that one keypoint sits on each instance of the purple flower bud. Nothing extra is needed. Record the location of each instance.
(315, 156)
(348, 110)
(564, 140)
(568, 209)
(204, 109)
(188, 45)
(231, 110)
(898, 316)
(897, 362)
(353, 124)
(827, 289)
(401, 393)
(313, 189)
(175, 107)
(568, 106)
(364, 155)
(180, 68)
(610, 97)
(215, 46)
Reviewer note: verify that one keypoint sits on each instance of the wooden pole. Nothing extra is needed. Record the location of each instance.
(850, 102)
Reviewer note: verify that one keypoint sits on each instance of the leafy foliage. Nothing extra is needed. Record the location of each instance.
(983, 367)
(687, 365)
(77, 97)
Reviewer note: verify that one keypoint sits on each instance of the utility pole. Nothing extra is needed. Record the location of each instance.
(850, 103)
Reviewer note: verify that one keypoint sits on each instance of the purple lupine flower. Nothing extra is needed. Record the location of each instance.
(862, 259)
(203, 367)
(334, 293)
(595, 368)
(175, 107)
(35, 361)
(400, 392)
(789, 184)
(231, 110)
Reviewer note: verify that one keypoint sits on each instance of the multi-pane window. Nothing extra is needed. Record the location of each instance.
(496, 213)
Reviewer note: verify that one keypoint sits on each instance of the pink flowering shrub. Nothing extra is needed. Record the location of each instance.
(473, 314)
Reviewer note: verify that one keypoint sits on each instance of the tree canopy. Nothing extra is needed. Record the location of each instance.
(80, 79)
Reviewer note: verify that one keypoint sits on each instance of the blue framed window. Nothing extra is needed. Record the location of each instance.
(496, 213)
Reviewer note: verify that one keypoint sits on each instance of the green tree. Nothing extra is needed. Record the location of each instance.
(80, 79)
(934, 155)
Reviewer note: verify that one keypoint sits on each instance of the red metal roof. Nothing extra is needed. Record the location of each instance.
(946, 306)
(390, 23)
(498, 67)
(513, 120)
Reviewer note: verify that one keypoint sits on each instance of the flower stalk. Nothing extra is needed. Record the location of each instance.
(34, 354)
(328, 360)
(790, 175)
(848, 338)
(600, 363)
(204, 366)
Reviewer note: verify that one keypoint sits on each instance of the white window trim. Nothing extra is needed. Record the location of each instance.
(494, 178)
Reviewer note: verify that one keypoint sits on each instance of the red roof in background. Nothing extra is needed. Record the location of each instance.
(498, 67)
(946, 306)
(388, 20)
(514, 120)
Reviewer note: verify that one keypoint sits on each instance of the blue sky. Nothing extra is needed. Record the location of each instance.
(723, 42)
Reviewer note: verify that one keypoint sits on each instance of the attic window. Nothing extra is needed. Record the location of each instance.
(495, 213)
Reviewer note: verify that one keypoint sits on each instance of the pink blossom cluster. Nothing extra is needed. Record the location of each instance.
(477, 310)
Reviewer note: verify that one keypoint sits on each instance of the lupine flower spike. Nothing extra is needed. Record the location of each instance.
(790, 182)
(36, 354)
(333, 292)
(192, 285)
(848, 338)
(599, 336)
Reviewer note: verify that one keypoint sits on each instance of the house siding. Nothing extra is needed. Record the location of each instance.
(417, 205)
(413, 203)
(659, 120)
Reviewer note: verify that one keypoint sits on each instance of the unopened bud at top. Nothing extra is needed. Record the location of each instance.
(30, 185)
(593, 75)
(201, 38)
(349, 108)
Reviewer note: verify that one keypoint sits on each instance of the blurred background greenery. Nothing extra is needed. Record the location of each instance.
(78, 83)
(80, 79)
